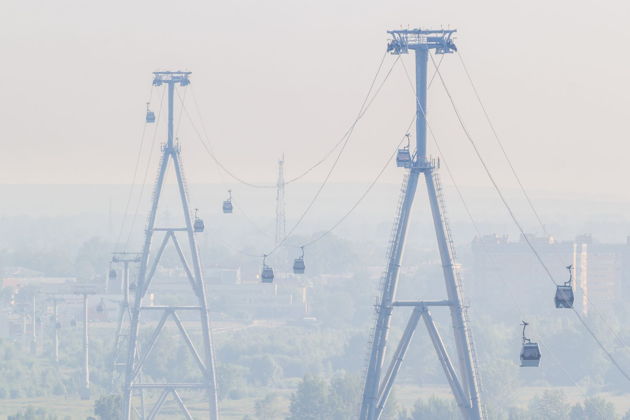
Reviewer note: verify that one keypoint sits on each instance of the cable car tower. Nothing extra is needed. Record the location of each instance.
(380, 378)
(189, 257)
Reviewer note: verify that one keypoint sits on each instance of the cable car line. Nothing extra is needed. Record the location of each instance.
(522, 187)
(146, 173)
(365, 105)
(518, 224)
(500, 143)
(133, 180)
(328, 175)
(365, 193)
(470, 216)
(135, 173)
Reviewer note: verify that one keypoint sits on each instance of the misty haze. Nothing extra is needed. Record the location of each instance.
(292, 210)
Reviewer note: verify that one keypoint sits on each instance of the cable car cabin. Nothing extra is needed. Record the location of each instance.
(112, 274)
(198, 226)
(267, 274)
(298, 266)
(403, 158)
(227, 206)
(150, 115)
(564, 296)
(530, 355)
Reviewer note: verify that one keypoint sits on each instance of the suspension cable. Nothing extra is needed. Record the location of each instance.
(146, 172)
(521, 186)
(133, 180)
(367, 101)
(328, 175)
(366, 192)
(519, 226)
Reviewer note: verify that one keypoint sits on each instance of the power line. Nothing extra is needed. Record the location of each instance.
(518, 224)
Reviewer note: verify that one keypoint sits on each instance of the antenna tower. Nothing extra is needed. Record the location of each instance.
(379, 382)
(281, 218)
(134, 386)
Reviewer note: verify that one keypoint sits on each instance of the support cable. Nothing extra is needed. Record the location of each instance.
(146, 172)
(520, 227)
(362, 110)
(465, 204)
(133, 180)
(366, 192)
(330, 171)
(521, 186)
(500, 143)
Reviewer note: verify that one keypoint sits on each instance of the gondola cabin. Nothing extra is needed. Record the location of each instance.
(227, 207)
(564, 296)
(266, 276)
(403, 158)
(150, 118)
(530, 355)
(298, 266)
(198, 226)
(112, 274)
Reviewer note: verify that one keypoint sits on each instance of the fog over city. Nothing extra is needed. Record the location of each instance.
(305, 210)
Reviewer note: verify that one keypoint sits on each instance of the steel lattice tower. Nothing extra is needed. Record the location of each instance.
(281, 219)
(465, 386)
(148, 265)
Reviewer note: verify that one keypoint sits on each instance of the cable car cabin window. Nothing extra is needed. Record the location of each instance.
(267, 275)
(564, 297)
(298, 266)
(530, 355)
(403, 158)
(198, 226)
(227, 206)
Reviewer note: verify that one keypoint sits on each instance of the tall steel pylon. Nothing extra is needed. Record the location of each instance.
(136, 358)
(281, 219)
(465, 386)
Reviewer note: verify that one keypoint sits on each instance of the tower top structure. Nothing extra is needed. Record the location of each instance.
(441, 40)
(172, 77)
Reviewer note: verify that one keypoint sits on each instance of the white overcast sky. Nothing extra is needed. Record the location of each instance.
(287, 76)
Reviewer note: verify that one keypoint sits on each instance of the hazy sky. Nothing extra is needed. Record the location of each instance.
(287, 76)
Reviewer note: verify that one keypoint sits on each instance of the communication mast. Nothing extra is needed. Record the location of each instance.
(379, 381)
(281, 219)
(142, 315)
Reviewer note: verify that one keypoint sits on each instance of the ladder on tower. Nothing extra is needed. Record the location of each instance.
(458, 280)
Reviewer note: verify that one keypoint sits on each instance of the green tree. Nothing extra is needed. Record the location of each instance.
(344, 396)
(435, 409)
(551, 405)
(594, 408)
(269, 408)
(108, 407)
(31, 413)
(310, 401)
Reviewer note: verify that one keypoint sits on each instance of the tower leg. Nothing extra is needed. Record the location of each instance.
(381, 332)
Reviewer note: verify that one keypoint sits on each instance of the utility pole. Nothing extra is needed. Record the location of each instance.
(379, 382)
(281, 219)
(149, 262)
(85, 392)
